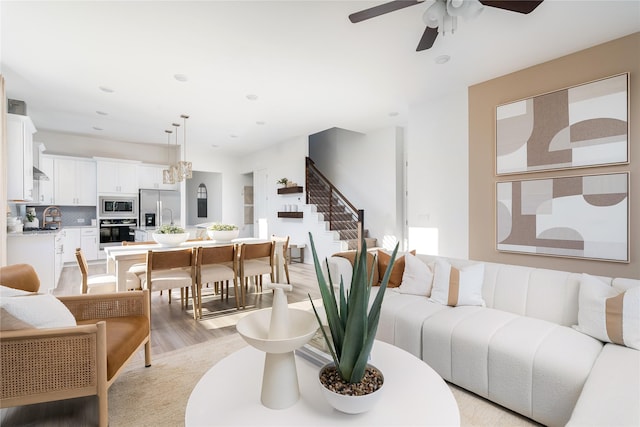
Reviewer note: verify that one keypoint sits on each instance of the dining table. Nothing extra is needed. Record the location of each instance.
(121, 258)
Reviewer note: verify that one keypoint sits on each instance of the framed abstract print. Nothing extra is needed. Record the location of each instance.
(577, 216)
(585, 125)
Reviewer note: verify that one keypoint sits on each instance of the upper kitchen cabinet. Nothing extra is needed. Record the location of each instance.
(75, 181)
(20, 132)
(150, 177)
(117, 177)
(46, 187)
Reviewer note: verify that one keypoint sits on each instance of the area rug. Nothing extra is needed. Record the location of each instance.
(158, 395)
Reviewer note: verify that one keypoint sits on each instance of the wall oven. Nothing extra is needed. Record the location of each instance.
(118, 207)
(114, 231)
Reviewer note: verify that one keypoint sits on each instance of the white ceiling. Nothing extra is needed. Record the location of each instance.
(310, 68)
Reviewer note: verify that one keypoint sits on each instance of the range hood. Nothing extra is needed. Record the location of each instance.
(38, 175)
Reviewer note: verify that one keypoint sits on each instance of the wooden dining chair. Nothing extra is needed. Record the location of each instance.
(285, 251)
(171, 269)
(256, 259)
(101, 283)
(218, 265)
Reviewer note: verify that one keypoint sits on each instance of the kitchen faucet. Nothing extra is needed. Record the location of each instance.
(170, 213)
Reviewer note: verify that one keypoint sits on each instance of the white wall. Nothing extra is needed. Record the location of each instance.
(437, 176)
(367, 169)
(286, 159)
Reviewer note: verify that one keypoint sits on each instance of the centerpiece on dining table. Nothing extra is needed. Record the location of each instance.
(222, 232)
(170, 235)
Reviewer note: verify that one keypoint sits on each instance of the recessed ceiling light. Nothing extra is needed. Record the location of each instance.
(106, 89)
(233, 135)
(180, 77)
(393, 114)
(442, 59)
(260, 122)
(97, 128)
(214, 145)
(102, 113)
(252, 97)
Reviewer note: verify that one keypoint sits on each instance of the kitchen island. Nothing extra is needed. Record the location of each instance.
(41, 249)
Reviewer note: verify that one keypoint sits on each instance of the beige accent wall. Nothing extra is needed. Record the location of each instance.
(618, 56)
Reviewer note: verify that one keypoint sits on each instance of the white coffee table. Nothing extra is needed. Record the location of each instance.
(229, 394)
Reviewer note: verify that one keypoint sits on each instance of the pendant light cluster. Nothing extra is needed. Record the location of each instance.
(182, 169)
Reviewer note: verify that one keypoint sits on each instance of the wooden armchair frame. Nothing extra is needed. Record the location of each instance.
(72, 362)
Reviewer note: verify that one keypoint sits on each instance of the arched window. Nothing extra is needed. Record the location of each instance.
(201, 197)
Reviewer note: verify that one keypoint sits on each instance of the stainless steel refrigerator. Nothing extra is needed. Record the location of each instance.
(159, 207)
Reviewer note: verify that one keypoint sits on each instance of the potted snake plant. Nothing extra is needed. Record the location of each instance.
(350, 383)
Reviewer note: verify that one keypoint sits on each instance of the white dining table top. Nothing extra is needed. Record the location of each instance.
(117, 251)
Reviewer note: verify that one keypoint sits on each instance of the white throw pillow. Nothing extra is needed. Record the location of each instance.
(36, 310)
(417, 278)
(452, 286)
(607, 314)
(6, 291)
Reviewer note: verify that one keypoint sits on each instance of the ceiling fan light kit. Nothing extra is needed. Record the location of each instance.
(443, 14)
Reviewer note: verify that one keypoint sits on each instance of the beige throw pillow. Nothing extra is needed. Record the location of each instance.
(608, 314)
(453, 286)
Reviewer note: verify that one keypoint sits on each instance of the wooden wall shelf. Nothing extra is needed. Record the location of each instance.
(289, 190)
(289, 214)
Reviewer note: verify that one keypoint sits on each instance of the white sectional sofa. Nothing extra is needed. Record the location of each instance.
(519, 349)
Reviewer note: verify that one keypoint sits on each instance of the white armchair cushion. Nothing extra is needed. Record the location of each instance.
(35, 311)
(417, 278)
(454, 287)
(607, 314)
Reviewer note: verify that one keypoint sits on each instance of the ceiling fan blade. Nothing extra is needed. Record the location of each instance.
(381, 10)
(428, 37)
(520, 6)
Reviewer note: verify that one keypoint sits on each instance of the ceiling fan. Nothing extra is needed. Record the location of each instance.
(443, 8)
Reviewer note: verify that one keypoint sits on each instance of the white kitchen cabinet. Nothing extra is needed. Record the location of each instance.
(117, 177)
(70, 242)
(75, 181)
(150, 177)
(20, 132)
(45, 188)
(89, 242)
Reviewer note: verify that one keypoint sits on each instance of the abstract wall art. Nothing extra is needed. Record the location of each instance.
(581, 126)
(576, 216)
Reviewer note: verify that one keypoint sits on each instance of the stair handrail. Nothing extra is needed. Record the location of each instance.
(358, 213)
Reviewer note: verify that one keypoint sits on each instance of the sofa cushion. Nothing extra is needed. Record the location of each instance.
(453, 286)
(607, 314)
(409, 321)
(537, 368)
(124, 335)
(417, 278)
(40, 311)
(618, 404)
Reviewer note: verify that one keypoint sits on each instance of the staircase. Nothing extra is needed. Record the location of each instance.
(340, 214)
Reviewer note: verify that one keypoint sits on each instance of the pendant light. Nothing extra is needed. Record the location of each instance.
(167, 174)
(174, 167)
(184, 167)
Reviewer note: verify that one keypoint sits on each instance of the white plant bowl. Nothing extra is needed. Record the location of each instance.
(223, 235)
(350, 404)
(170, 239)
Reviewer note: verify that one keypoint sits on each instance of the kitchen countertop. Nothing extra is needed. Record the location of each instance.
(45, 232)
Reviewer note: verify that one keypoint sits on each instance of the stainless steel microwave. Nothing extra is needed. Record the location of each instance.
(118, 207)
